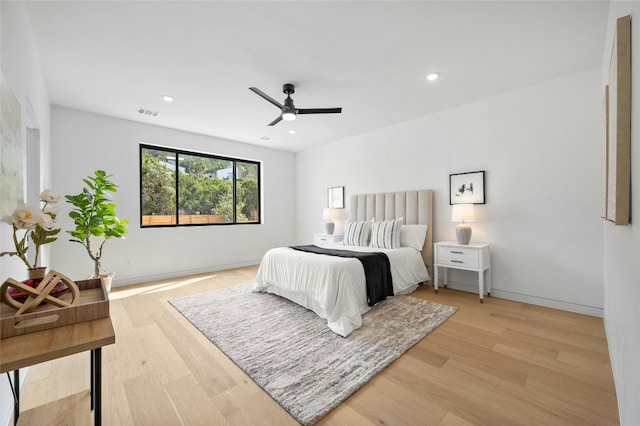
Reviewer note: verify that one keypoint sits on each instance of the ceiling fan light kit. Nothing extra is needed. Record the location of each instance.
(288, 111)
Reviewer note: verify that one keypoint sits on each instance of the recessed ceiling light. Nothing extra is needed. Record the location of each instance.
(265, 138)
(167, 98)
(433, 76)
(293, 132)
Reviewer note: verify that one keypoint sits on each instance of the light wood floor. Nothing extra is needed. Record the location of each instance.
(497, 363)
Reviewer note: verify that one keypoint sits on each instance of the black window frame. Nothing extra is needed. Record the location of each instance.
(179, 152)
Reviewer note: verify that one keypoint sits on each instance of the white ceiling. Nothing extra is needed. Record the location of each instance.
(370, 58)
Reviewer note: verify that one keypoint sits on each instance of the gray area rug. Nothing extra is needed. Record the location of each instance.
(291, 353)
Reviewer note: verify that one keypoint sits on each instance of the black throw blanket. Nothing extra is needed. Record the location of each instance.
(377, 270)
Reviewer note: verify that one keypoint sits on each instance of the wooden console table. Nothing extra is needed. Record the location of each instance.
(33, 348)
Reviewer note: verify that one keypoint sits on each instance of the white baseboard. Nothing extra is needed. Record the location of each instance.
(177, 274)
(533, 300)
(516, 297)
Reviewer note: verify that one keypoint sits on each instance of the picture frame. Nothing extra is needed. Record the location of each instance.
(335, 197)
(466, 188)
(618, 136)
(605, 153)
(11, 160)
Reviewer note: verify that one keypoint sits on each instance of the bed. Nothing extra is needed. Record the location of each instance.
(334, 287)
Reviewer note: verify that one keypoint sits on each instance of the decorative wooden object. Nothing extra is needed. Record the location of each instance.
(92, 302)
(39, 294)
(619, 125)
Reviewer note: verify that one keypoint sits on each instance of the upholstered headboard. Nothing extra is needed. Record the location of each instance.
(416, 207)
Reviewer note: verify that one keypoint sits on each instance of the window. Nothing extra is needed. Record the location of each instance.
(188, 188)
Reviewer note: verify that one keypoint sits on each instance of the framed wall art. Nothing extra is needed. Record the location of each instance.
(618, 136)
(466, 188)
(336, 197)
(11, 156)
(605, 152)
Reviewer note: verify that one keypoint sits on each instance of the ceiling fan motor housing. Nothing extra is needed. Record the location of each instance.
(288, 88)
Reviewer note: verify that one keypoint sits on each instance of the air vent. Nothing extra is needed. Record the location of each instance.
(265, 138)
(148, 112)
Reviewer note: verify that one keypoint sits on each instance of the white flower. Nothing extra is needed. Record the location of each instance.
(48, 197)
(38, 226)
(26, 217)
(47, 221)
(51, 212)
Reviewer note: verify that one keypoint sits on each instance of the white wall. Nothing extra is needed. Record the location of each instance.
(21, 67)
(622, 247)
(85, 142)
(540, 148)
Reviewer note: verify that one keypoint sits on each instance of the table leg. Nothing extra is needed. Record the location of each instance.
(435, 279)
(489, 282)
(481, 285)
(93, 369)
(16, 403)
(446, 277)
(97, 414)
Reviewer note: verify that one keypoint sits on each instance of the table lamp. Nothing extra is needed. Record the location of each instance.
(463, 213)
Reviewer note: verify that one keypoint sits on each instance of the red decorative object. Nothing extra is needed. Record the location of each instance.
(36, 275)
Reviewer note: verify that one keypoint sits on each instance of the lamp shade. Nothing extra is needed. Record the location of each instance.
(463, 213)
(327, 213)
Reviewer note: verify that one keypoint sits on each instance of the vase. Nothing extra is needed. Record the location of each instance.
(37, 273)
(106, 278)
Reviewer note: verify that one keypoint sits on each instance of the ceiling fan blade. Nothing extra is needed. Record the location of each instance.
(265, 96)
(320, 111)
(276, 121)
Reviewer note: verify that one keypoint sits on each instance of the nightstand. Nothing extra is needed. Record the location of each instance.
(322, 240)
(469, 257)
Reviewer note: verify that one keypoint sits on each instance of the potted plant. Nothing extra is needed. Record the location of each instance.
(95, 219)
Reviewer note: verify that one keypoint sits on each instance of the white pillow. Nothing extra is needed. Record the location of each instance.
(356, 233)
(386, 234)
(413, 236)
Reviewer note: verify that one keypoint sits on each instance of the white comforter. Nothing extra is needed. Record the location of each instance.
(334, 287)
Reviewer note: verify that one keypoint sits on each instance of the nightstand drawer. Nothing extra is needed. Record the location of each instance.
(326, 239)
(457, 256)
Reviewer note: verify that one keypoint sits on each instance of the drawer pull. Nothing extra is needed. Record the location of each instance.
(457, 252)
(457, 261)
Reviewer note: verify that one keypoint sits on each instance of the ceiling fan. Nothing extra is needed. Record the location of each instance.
(289, 111)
